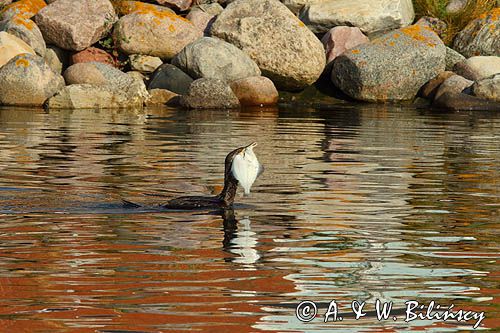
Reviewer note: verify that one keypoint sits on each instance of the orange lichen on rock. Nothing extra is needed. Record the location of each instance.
(396, 35)
(20, 20)
(137, 7)
(415, 32)
(25, 8)
(355, 51)
(22, 62)
(493, 14)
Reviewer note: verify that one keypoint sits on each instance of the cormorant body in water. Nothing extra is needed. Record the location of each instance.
(241, 167)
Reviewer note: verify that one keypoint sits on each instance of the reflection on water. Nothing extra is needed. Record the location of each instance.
(357, 203)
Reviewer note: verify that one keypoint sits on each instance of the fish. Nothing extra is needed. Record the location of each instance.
(246, 167)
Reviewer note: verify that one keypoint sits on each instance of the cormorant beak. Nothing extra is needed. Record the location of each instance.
(252, 145)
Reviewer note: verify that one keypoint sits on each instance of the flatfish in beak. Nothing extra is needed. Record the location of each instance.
(246, 168)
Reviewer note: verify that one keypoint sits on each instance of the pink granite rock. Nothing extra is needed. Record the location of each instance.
(342, 38)
(93, 54)
(255, 90)
(76, 25)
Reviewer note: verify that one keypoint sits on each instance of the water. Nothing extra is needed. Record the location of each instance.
(356, 203)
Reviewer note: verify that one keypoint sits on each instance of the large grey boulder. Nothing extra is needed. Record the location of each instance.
(160, 35)
(26, 80)
(452, 58)
(392, 67)
(97, 73)
(370, 16)
(285, 50)
(76, 25)
(88, 96)
(481, 36)
(214, 58)
(208, 93)
(488, 88)
(26, 30)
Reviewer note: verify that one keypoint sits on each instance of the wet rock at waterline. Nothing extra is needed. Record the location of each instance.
(76, 25)
(10, 46)
(392, 67)
(430, 89)
(208, 93)
(158, 34)
(478, 68)
(162, 97)
(455, 84)
(214, 58)
(26, 30)
(285, 50)
(28, 81)
(488, 88)
(481, 36)
(96, 73)
(370, 16)
(169, 77)
(88, 96)
(456, 102)
(255, 91)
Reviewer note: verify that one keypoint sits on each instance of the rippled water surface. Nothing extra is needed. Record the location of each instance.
(356, 203)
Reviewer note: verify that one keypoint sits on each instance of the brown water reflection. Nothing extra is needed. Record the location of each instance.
(356, 203)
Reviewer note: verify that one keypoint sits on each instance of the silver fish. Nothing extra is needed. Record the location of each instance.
(246, 167)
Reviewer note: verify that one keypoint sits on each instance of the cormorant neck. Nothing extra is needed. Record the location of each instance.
(229, 191)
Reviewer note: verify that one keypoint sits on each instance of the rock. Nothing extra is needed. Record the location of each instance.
(22, 8)
(156, 34)
(93, 54)
(452, 58)
(283, 48)
(339, 39)
(129, 7)
(296, 5)
(144, 63)
(10, 46)
(26, 80)
(392, 67)
(203, 16)
(95, 73)
(481, 36)
(454, 6)
(27, 30)
(169, 77)
(255, 90)
(159, 97)
(137, 76)
(430, 89)
(451, 101)
(88, 96)
(208, 93)
(438, 26)
(455, 84)
(477, 68)
(76, 25)
(214, 58)
(370, 16)
(179, 4)
(56, 58)
(488, 88)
